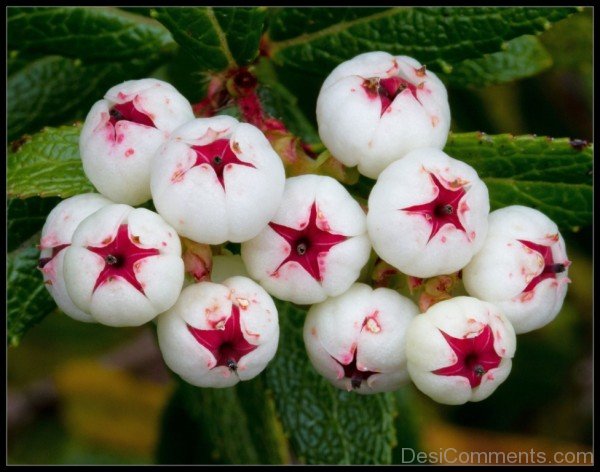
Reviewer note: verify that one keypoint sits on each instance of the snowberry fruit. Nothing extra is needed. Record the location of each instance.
(123, 131)
(428, 214)
(460, 350)
(521, 268)
(219, 334)
(314, 247)
(57, 234)
(357, 340)
(217, 180)
(375, 108)
(124, 266)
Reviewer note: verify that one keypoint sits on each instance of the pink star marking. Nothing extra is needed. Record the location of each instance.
(442, 209)
(388, 89)
(55, 251)
(226, 341)
(128, 112)
(351, 372)
(307, 244)
(218, 155)
(474, 356)
(551, 268)
(120, 257)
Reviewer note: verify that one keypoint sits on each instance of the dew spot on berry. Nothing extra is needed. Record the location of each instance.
(527, 296)
(313, 331)
(371, 324)
(177, 176)
(163, 243)
(434, 121)
(242, 303)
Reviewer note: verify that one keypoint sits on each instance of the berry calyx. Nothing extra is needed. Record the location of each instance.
(120, 256)
(128, 112)
(388, 89)
(226, 341)
(352, 372)
(474, 356)
(443, 209)
(551, 267)
(308, 243)
(218, 155)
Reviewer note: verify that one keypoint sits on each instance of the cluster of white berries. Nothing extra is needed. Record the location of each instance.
(304, 239)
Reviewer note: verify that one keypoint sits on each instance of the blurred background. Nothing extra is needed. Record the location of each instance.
(80, 393)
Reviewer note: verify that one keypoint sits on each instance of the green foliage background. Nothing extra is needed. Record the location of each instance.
(510, 73)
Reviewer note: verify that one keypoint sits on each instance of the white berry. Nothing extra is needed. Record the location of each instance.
(122, 133)
(357, 340)
(314, 247)
(217, 180)
(428, 214)
(460, 350)
(124, 266)
(375, 108)
(522, 267)
(219, 334)
(57, 234)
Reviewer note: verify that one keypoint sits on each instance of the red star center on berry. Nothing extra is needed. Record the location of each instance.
(551, 267)
(351, 372)
(226, 341)
(474, 356)
(388, 89)
(218, 155)
(443, 209)
(128, 112)
(120, 257)
(307, 244)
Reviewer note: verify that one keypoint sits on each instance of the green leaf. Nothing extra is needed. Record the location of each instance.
(223, 423)
(438, 37)
(406, 425)
(235, 425)
(553, 175)
(325, 425)
(48, 165)
(217, 38)
(524, 56)
(52, 90)
(98, 33)
(280, 103)
(263, 423)
(28, 301)
(26, 217)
